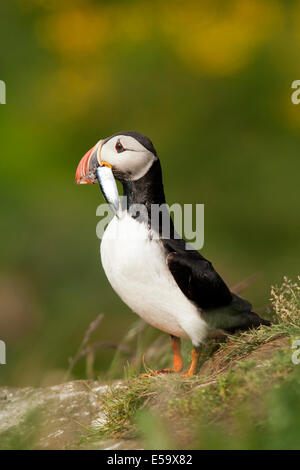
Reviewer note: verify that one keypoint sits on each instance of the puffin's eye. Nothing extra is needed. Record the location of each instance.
(119, 147)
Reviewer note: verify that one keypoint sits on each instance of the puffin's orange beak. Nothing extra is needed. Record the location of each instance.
(85, 173)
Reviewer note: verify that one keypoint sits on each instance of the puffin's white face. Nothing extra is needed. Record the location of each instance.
(130, 155)
(129, 159)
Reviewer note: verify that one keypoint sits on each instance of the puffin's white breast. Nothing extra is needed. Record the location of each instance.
(136, 267)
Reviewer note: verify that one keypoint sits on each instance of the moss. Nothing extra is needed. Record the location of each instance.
(22, 436)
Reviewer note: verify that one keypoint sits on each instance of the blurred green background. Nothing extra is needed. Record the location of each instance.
(209, 82)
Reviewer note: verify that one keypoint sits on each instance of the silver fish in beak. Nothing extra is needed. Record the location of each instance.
(92, 169)
(108, 187)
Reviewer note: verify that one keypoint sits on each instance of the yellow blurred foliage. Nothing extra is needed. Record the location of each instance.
(219, 38)
(73, 32)
(210, 37)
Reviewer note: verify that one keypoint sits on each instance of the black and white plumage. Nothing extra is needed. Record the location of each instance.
(173, 288)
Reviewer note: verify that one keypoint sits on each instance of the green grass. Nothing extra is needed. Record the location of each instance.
(245, 392)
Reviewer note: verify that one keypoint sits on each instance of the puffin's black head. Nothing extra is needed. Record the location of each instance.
(129, 154)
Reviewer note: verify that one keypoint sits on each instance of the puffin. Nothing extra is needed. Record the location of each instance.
(161, 278)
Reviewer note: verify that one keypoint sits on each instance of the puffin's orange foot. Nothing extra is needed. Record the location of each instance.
(177, 362)
(161, 371)
(188, 374)
(194, 363)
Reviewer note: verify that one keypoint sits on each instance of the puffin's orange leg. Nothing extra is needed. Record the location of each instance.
(177, 360)
(194, 363)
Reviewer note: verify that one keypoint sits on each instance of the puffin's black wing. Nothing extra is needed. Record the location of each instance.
(201, 284)
(196, 276)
